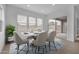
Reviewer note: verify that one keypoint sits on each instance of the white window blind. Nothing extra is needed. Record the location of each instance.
(22, 20)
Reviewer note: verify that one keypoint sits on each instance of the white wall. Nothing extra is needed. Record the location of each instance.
(2, 33)
(65, 27)
(70, 24)
(76, 17)
(12, 13)
(76, 20)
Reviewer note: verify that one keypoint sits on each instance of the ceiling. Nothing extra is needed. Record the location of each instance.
(42, 8)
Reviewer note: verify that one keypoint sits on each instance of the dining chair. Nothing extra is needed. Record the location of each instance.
(51, 38)
(40, 42)
(19, 41)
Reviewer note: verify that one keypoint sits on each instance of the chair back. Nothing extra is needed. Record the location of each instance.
(51, 36)
(41, 38)
(17, 40)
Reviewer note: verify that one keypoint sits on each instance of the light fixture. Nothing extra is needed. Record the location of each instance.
(28, 5)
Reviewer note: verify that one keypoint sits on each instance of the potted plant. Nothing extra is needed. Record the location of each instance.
(9, 32)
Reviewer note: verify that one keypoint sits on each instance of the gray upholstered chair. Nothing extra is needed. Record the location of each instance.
(51, 38)
(40, 41)
(19, 41)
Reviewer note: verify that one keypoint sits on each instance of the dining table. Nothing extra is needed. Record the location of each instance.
(31, 35)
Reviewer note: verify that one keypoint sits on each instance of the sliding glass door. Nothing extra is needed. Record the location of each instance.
(58, 26)
(54, 25)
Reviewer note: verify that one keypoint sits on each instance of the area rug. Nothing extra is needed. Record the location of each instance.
(58, 42)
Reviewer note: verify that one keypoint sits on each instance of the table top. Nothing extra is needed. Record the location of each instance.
(32, 35)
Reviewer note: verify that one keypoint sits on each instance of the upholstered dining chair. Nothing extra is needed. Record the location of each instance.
(19, 41)
(51, 38)
(40, 41)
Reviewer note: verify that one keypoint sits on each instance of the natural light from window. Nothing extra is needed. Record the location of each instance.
(39, 24)
(30, 24)
(22, 20)
(54, 25)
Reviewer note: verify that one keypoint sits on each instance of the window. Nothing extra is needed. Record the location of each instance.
(51, 25)
(39, 24)
(32, 24)
(22, 20)
(22, 23)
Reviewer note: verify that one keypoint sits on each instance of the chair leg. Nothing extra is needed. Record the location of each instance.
(38, 49)
(54, 46)
(49, 45)
(26, 49)
(32, 49)
(45, 48)
(17, 48)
